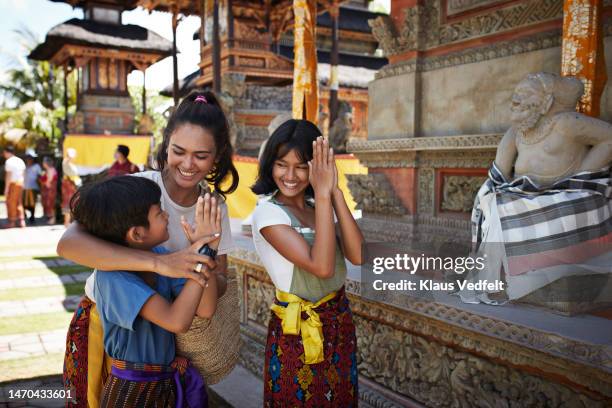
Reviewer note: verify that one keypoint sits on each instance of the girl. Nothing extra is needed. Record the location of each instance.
(195, 152)
(48, 189)
(311, 361)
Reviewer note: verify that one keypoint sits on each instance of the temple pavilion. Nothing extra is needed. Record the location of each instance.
(101, 52)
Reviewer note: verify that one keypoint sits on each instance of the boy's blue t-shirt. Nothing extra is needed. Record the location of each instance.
(119, 297)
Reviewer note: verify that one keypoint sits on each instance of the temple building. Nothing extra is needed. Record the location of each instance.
(257, 68)
(102, 52)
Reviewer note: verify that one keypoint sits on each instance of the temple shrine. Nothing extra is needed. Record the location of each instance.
(256, 62)
(102, 52)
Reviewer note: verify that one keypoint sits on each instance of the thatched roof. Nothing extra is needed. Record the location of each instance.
(94, 33)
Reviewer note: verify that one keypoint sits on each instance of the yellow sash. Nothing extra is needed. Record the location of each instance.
(310, 329)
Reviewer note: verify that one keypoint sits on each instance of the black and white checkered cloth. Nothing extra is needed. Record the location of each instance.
(533, 236)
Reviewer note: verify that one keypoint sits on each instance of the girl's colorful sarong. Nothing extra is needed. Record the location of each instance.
(147, 385)
(289, 382)
(68, 190)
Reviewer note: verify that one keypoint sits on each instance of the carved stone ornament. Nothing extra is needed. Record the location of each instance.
(446, 356)
(458, 192)
(422, 27)
(374, 194)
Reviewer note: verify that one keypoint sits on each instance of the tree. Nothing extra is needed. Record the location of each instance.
(33, 91)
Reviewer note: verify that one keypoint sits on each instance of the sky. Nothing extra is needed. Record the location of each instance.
(39, 16)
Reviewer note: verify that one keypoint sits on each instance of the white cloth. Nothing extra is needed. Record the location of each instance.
(277, 266)
(177, 239)
(16, 169)
(31, 177)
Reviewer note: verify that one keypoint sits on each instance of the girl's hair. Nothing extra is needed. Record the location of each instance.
(294, 134)
(202, 109)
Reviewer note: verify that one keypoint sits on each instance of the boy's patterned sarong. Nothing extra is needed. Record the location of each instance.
(289, 382)
(85, 365)
(154, 386)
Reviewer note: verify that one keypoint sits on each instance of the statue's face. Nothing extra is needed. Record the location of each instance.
(527, 105)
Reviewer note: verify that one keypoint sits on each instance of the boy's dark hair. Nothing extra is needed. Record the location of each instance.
(108, 209)
(9, 149)
(294, 134)
(124, 150)
(202, 109)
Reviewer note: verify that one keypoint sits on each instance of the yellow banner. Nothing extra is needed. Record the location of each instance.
(98, 150)
(305, 85)
(242, 201)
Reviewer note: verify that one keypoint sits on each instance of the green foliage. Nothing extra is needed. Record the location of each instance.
(157, 109)
(34, 93)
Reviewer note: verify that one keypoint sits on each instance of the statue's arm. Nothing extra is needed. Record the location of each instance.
(506, 153)
(597, 134)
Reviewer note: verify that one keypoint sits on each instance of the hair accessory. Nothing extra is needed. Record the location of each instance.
(201, 98)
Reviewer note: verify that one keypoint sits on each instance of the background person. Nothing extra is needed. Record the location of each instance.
(48, 189)
(70, 182)
(30, 185)
(14, 169)
(122, 165)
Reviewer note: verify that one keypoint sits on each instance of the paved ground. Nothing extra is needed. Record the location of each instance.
(38, 293)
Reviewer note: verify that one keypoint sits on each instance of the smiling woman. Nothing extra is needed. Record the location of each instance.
(195, 154)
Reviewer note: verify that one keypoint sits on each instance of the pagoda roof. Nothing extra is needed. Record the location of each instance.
(122, 4)
(76, 31)
(346, 59)
(350, 19)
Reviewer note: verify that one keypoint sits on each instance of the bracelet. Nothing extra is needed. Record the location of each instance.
(208, 251)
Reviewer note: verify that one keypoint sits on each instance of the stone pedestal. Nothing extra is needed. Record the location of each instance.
(443, 353)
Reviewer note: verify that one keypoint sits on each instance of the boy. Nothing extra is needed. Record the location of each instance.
(140, 312)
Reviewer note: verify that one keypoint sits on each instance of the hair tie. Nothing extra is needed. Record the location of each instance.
(201, 98)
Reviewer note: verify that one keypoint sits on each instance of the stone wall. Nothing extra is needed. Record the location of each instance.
(441, 355)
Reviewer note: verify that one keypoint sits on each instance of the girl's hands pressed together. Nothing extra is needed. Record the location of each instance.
(322, 168)
(207, 221)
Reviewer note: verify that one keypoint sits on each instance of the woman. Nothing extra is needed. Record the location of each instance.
(310, 361)
(48, 189)
(195, 152)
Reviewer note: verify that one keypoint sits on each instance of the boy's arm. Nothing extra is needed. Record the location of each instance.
(176, 317)
(208, 300)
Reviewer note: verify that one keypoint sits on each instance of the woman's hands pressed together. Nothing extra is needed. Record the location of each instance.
(207, 221)
(323, 176)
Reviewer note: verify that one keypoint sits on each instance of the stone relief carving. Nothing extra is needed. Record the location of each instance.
(444, 377)
(458, 192)
(471, 55)
(422, 28)
(374, 194)
(499, 344)
(425, 198)
(459, 6)
(260, 296)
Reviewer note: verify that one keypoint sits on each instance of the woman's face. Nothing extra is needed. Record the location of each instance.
(290, 174)
(191, 155)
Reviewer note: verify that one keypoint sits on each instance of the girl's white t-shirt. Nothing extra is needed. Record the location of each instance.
(177, 240)
(278, 267)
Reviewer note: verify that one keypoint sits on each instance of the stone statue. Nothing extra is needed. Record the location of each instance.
(549, 140)
(341, 129)
(543, 218)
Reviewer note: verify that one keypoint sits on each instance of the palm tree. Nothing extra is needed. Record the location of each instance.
(35, 82)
